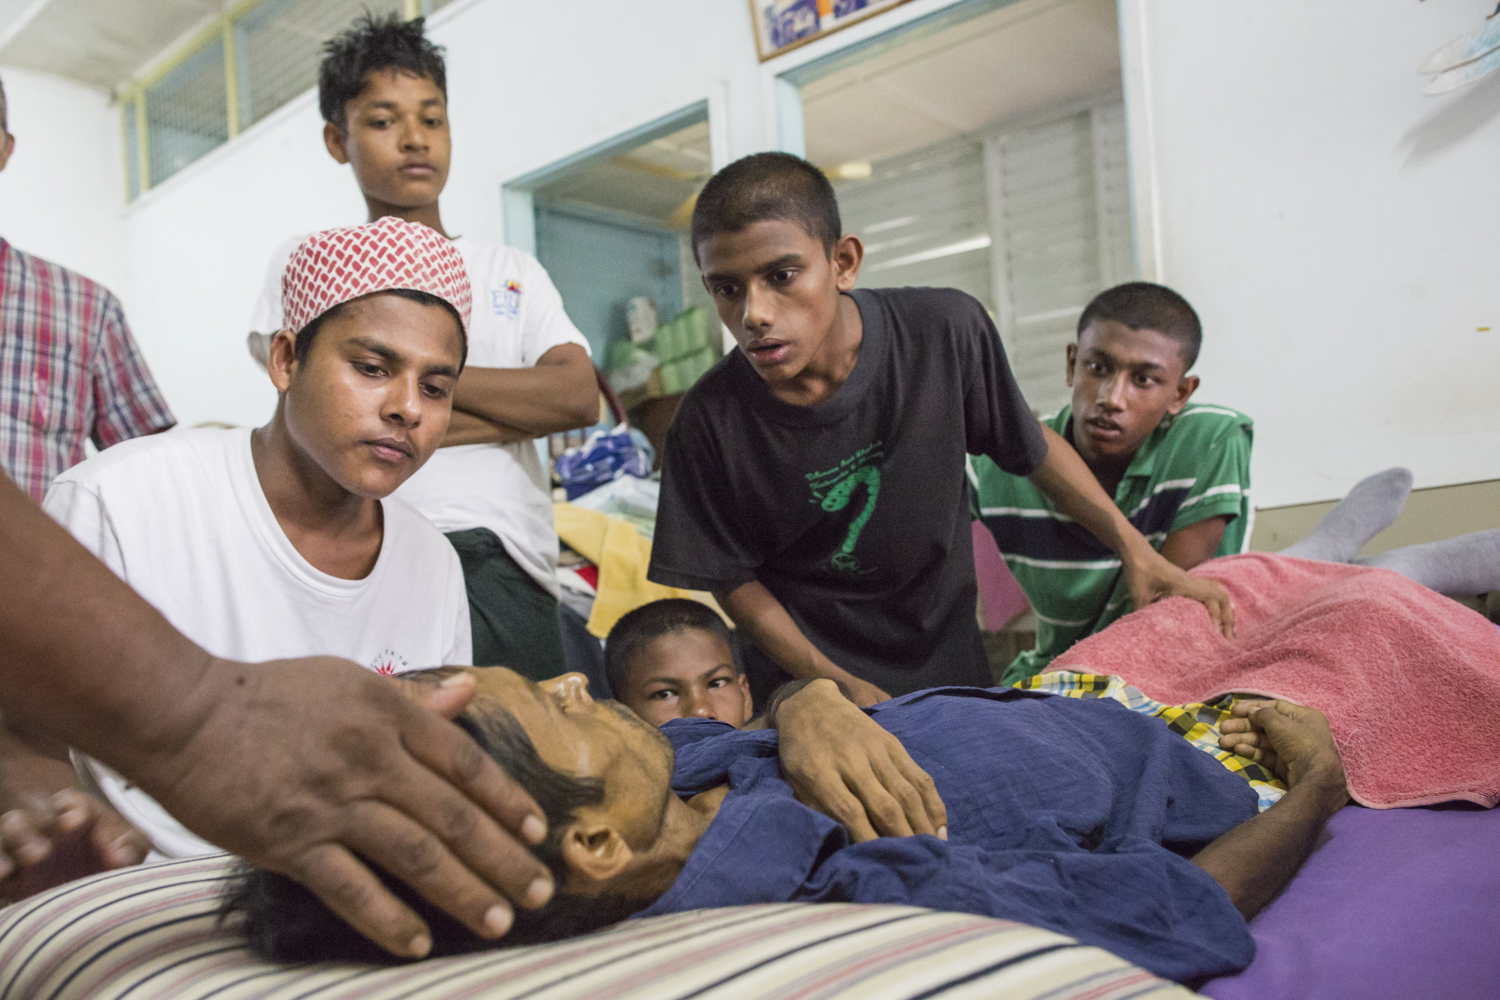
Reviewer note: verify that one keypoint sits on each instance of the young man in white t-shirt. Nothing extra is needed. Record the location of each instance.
(284, 541)
(383, 93)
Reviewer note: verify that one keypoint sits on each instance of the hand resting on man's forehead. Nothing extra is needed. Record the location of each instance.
(618, 836)
(285, 922)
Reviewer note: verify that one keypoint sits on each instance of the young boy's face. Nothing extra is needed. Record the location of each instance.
(395, 136)
(686, 674)
(777, 290)
(1124, 382)
(372, 399)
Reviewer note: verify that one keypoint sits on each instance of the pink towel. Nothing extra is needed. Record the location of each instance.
(1409, 680)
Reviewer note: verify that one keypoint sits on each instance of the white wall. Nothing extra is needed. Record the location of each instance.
(202, 241)
(528, 83)
(63, 192)
(1332, 224)
(1335, 228)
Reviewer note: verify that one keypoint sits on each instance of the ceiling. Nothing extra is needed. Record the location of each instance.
(12, 11)
(658, 180)
(1021, 57)
(99, 42)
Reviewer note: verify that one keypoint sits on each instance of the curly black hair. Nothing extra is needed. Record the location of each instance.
(284, 922)
(370, 45)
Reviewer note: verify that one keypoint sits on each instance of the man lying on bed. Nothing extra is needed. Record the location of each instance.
(1077, 816)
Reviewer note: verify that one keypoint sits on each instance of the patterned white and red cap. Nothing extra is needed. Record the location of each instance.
(337, 265)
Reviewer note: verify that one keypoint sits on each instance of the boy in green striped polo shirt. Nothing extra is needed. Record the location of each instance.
(1179, 471)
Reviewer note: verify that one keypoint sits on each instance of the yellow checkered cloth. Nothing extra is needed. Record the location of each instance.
(1198, 723)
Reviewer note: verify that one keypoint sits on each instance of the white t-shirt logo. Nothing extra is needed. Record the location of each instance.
(507, 300)
(389, 662)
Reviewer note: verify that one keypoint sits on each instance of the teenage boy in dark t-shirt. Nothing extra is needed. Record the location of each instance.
(814, 480)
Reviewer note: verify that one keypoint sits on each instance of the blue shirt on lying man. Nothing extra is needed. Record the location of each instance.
(1078, 816)
(1064, 814)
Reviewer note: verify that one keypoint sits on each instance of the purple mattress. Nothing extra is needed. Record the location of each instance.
(1395, 903)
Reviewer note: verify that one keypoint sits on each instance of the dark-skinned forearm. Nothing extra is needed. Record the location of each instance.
(465, 428)
(31, 767)
(1190, 547)
(1065, 479)
(559, 393)
(756, 610)
(1255, 860)
(781, 694)
(83, 657)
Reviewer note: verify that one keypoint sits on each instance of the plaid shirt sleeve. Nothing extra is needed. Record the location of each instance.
(127, 402)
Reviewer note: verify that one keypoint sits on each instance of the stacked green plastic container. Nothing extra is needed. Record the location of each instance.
(687, 347)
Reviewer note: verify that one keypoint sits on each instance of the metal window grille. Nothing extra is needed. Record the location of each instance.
(1052, 244)
(922, 219)
(245, 65)
(280, 43)
(1065, 209)
(187, 112)
(1033, 222)
(132, 136)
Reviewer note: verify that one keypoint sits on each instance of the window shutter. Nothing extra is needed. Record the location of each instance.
(1112, 194)
(280, 44)
(923, 222)
(1034, 222)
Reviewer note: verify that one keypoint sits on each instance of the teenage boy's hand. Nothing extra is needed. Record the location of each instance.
(864, 693)
(1065, 479)
(842, 763)
(308, 766)
(61, 837)
(1151, 577)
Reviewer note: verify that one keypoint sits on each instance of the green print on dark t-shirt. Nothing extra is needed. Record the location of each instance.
(834, 489)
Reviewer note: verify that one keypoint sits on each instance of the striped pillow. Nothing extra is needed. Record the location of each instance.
(151, 932)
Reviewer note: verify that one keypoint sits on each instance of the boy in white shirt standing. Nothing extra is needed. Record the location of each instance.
(284, 541)
(383, 93)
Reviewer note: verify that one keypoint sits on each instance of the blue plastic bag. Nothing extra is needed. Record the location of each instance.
(604, 457)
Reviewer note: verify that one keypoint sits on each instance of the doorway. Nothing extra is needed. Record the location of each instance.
(610, 226)
(599, 263)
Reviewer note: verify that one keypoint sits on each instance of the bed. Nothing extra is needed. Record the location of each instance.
(1394, 904)
(151, 932)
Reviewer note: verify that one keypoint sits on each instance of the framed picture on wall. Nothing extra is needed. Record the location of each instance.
(781, 25)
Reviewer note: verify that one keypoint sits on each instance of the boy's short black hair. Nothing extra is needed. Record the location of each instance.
(370, 45)
(637, 629)
(285, 922)
(768, 186)
(307, 333)
(1142, 305)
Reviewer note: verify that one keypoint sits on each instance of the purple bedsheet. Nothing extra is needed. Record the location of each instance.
(1394, 904)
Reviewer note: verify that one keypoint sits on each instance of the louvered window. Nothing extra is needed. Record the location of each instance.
(280, 44)
(1032, 221)
(130, 111)
(922, 219)
(252, 59)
